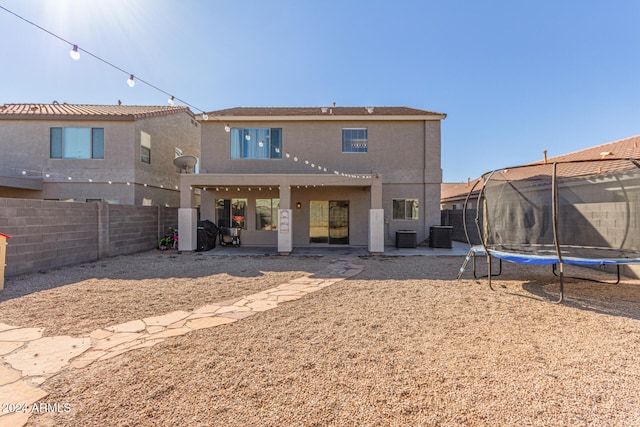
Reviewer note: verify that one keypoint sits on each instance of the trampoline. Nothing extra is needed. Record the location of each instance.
(584, 213)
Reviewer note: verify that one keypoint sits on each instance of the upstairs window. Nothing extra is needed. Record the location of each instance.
(256, 143)
(354, 140)
(145, 147)
(77, 143)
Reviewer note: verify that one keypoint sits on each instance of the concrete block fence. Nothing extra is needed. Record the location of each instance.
(50, 234)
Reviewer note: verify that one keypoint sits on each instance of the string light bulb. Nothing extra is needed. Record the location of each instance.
(74, 54)
(130, 81)
(205, 117)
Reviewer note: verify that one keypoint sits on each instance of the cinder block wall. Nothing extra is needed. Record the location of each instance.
(454, 218)
(49, 234)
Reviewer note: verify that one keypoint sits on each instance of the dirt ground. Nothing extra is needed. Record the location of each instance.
(402, 343)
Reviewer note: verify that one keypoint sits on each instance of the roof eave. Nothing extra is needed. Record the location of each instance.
(323, 117)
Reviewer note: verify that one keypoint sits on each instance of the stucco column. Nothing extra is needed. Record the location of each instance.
(376, 217)
(186, 194)
(376, 231)
(187, 218)
(285, 221)
(187, 229)
(208, 204)
(285, 194)
(376, 192)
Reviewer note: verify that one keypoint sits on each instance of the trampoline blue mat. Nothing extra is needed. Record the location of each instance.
(552, 258)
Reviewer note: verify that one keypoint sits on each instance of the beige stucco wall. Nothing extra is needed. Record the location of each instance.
(405, 153)
(396, 149)
(25, 145)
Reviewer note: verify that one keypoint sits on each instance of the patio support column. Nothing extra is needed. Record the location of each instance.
(376, 217)
(187, 219)
(208, 204)
(285, 217)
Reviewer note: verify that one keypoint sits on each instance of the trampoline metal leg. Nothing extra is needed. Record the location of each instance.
(489, 271)
(561, 275)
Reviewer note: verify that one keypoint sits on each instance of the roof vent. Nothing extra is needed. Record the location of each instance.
(370, 110)
(605, 154)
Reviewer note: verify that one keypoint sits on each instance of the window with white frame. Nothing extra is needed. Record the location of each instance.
(77, 143)
(256, 143)
(405, 209)
(354, 140)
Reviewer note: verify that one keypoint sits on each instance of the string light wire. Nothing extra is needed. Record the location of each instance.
(77, 48)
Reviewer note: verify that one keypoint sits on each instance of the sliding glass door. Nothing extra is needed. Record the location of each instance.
(329, 222)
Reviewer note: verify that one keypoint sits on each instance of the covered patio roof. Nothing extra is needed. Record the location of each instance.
(21, 182)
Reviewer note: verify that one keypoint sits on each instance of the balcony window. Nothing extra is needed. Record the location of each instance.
(256, 143)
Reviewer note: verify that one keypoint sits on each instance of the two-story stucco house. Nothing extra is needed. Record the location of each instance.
(111, 153)
(295, 177)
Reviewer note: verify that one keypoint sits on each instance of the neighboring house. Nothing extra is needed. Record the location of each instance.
(453, 195)
(317, 176)
(111, 153)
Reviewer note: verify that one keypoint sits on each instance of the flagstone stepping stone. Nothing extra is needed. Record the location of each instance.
(17, 419)
(100, 334)
(232, 308)
(176, 332)
(8, 375)
(133, 326)
(116, 339)
(46, 356)
(262, 305)
(21, 392)
(5, 327)
(207, 309)
(239, 314)
(166, 319)
(7, 347)
(21, 334)
(86, 358)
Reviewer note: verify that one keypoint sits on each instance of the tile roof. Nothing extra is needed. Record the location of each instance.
(621, 149)
(323, 111)
(58, 111)
(599, 159)
(458, 190)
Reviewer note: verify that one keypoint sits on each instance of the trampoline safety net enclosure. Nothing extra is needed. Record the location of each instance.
(580, 212)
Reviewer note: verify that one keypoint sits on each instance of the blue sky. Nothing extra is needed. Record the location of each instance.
(514, 77)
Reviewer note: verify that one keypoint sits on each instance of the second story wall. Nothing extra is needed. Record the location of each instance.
(402, 151)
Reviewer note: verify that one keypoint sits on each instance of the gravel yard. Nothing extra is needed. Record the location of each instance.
(402, 343)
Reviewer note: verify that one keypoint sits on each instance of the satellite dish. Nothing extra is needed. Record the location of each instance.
(185, 163)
